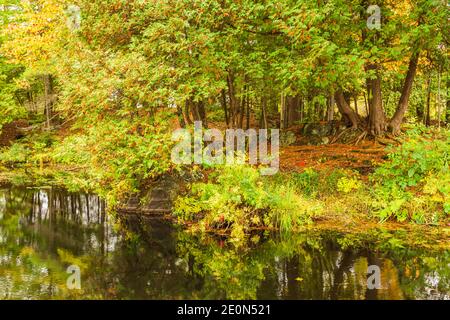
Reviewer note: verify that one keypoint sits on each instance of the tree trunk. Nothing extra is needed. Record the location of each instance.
(234, 102)
(349, 115)
(377, 119)
(202, 112)
(302, 109)
(223, 101)
(48, 98)
(447, 116)
(397, 119)
(283, 117)
(186, 113)
(180, 117)
(427, 117)
(242, 107)
(366, 104)
(248, 113)
(330, 110)
(263, 122)
(292, 110)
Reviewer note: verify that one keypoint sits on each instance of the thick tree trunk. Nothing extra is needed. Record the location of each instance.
(292, 110)
(330, 110)
(349, 115)
(202, 112)
(397, 119)
(377, 118)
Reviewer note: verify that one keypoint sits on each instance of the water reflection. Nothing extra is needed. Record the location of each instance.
(44, 231)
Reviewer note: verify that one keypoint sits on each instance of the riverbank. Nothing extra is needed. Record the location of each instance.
(336, 186)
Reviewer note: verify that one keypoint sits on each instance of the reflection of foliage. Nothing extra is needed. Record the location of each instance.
(24, 272)
(154, 260)
(312, 266)
(31, 266)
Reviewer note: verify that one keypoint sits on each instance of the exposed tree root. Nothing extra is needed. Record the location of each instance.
(361, 137)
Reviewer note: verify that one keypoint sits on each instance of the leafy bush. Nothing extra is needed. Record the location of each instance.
(414, 184)
(238, 199)
(16, 154)
(314, 183)
(118, 155)
(347, 185)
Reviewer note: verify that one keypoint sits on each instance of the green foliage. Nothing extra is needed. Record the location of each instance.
(348, 185)
(239, 199)
(414, 184)
(314, 183)
(16, 154)
(114, 158)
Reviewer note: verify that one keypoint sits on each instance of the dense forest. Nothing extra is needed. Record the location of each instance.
(224, 149)
(91, 92)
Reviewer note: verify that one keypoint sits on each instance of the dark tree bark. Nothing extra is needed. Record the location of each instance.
(377, 118)
(348, 114)
(186, 112)
(180, 117)
(242, 107)
(223, 101)
(366, 104)
(48, 96)
(248, 113)
(202, 112)
(234, 101)
(420, 111)
(397, 119)
(330, 109)
(302, 109)
(263, 120)
(292, 110)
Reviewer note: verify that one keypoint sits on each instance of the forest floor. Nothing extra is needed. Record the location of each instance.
(362, 157)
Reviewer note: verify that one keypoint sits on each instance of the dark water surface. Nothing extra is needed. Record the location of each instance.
(44, 231)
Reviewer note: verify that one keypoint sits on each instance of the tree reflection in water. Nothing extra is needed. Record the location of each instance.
(44, 231)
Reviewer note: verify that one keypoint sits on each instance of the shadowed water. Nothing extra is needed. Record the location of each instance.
(43, 232)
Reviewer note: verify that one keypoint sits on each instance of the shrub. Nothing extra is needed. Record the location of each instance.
(238, 199)
(16, 154)
(414, 184)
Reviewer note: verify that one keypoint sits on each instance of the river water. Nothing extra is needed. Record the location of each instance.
(48, 235)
